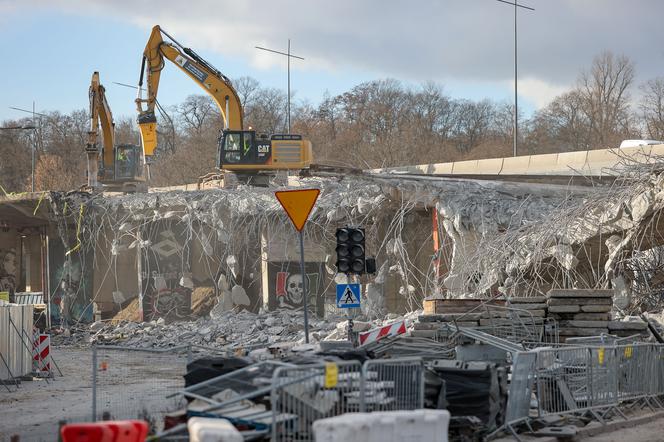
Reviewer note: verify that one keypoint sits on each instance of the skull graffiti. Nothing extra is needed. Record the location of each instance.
(295, 289)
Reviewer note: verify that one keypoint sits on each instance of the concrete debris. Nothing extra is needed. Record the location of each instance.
(223, 330)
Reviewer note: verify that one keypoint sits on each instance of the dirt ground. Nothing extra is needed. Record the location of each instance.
(648, 432)
(131, 384)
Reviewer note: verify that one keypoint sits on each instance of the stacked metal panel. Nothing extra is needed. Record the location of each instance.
(15, 340)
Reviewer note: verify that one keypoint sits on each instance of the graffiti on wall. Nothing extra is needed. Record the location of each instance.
(70, 283)
(165, 269)
(287, 286)
(8, 269)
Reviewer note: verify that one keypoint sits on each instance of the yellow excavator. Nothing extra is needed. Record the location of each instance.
(118, 168)
(241, 151)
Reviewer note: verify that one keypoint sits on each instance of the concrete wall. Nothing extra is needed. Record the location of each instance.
(10, 260)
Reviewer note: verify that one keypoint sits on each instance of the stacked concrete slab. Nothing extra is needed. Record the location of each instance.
(463, 312)
(580, 312)
(535, 305)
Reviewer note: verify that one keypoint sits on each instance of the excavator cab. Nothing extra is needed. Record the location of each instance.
(127, 173)
(128, 163)
(245, 150)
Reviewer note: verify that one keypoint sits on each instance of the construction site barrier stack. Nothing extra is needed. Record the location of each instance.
(585, 380)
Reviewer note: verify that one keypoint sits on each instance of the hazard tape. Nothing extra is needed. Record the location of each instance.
(397, 328)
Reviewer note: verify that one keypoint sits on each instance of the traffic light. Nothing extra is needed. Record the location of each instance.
(350, 250)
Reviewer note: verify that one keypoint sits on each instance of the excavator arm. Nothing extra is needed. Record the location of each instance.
(204, 74)
(121, 165)
(100, 116)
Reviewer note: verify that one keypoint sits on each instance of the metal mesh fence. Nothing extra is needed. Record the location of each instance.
(137, 384)
(302, 395)
(580, 378)
(392, 384)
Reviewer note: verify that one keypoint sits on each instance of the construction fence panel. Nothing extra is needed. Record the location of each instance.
(392, 384)
(636, 371)
(563, 379)
(571, 379)
(302, 395)
(137, 383)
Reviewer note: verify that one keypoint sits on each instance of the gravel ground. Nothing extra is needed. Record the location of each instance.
(129, 382)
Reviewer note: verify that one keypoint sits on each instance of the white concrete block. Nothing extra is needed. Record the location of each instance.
(204, 429)
(384, 426)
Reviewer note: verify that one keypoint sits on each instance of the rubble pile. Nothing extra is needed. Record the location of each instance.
(228, 330)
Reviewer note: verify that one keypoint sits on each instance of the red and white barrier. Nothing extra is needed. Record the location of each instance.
(41, 354)
(376, 334)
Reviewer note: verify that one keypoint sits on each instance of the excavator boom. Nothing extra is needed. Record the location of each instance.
(239, 149)
(203, 74)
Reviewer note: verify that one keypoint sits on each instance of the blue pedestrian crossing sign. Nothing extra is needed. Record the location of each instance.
(348, 295)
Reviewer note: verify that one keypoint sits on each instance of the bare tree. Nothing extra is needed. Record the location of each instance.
(652, 107)
(604, 91)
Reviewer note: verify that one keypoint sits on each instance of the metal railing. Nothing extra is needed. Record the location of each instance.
(302, 395)
(392, 384)
(586, 378)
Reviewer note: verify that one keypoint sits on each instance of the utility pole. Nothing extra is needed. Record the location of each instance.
(288, 57)
(516, 99)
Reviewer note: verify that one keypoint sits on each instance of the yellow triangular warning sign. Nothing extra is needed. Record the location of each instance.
(298, 204)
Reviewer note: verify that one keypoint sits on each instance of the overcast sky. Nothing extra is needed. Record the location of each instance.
(50, 48)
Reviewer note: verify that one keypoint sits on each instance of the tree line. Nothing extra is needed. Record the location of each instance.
(379, 123)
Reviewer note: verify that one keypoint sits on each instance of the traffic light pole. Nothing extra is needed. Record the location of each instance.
(305, 289)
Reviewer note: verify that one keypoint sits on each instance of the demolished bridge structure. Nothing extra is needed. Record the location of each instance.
(168, 250)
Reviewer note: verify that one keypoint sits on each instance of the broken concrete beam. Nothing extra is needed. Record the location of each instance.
(583, 324)
(427, 325)
(579, 293)
(629, 333)
(627, 325)
(582, 331)
(580, 301)
(564, 309)
(594, 308)
(434, 306)
(535, 313)
(530, 306)
(424, 333)
(494, 314)
(528, 300)
(450, 317)
(470, 324)
(496, 322)
(580, 316)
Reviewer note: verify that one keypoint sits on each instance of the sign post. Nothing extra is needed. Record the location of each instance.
(298, 205)
(349, 296)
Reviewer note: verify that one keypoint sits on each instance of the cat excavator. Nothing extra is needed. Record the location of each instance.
(241, 151)
(118, 168)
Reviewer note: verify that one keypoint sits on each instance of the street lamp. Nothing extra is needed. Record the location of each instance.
(516, 100)
(288, 57)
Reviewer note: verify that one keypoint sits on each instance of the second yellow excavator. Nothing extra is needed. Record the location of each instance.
(239, 150)
(119, 167)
